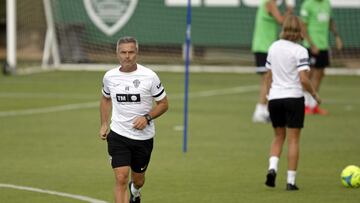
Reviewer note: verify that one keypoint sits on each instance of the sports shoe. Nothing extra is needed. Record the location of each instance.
(133, 199)
(308, 110)
(291, 187)
(270, 178)
(319, 111)
(261, 114)
(261, 119)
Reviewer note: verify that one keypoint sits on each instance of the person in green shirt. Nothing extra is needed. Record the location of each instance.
(268, 19)
(316, 15)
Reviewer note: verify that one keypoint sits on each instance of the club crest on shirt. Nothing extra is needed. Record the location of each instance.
(136, 83)
(110, 15)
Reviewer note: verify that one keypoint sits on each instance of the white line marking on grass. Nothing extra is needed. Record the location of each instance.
(179, 128)
(234, 90)
(62, 194)
(211, 93)
(68, 107)
(11, 95)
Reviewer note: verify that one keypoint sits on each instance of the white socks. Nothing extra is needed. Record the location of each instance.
(291, 177)
(273, 163)
(134, 191)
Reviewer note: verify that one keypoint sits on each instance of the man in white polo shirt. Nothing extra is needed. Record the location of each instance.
(129, 91)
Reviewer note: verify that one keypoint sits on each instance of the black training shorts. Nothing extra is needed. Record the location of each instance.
(128, 152)
(321, 60)
(287, 112)
(260, 61)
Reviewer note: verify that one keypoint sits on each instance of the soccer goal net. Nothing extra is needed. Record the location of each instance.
(82, 33)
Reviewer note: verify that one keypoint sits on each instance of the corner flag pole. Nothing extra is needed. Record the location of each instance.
(187, 64)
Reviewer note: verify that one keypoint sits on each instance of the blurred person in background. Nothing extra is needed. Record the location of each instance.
(268, 18)
(316, 15)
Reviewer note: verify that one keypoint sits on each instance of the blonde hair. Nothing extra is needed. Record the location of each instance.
(292, 29)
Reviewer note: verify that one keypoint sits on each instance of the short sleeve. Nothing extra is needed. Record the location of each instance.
(302, 60)
(105, 88)
(268, 61)
(157, 89)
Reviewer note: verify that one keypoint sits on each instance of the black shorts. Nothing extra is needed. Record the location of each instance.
(287, 112)
(127, 152)
(260, 61)
(321, 60)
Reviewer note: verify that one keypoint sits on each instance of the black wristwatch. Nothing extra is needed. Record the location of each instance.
(148, 118)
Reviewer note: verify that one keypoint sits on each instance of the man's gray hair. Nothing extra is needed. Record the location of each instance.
(127, 39)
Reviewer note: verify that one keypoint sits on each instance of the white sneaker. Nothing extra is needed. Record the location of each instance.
(261, 119)
(261, 114)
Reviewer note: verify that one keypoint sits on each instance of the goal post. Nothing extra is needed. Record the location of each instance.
(10, 65)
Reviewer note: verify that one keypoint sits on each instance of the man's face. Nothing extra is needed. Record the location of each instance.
(127, 54)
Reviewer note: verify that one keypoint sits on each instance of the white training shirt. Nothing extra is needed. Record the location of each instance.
(132, 95)
(285, 60)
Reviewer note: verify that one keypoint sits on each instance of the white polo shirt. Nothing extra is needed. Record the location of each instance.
(132, 95)
(285, 60)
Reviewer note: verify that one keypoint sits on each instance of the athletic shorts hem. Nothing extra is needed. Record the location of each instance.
(128, 152)
(287, 112)
(260, 62)
(319, 61)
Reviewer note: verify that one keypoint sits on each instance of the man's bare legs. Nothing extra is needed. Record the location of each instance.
(121, 184)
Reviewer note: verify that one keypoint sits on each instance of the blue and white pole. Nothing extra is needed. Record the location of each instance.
(187, 64)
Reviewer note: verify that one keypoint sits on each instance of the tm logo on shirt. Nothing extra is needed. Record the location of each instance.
(132, 98)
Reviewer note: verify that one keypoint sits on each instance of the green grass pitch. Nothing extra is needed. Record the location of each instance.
(49, 126)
